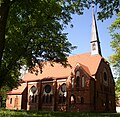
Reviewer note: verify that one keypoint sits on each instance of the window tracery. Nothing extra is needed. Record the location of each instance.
(62, 94)
(47, 94)
(33, 95)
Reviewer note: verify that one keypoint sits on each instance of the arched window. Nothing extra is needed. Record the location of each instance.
(63, 87)
(62, 94)
(10, 100)
(33, 95)
(77, 81)
(47, 94)
(77, 78)
(83, 82)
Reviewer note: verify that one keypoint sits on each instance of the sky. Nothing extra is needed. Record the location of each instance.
(80, 34)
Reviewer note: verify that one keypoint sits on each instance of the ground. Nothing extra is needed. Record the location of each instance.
(12, 113)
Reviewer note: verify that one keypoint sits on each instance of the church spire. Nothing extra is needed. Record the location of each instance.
(95, 43)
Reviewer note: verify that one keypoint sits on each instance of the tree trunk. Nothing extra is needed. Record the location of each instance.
(4, 9)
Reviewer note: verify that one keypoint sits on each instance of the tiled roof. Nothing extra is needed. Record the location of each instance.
(19, 89)
(88, 62)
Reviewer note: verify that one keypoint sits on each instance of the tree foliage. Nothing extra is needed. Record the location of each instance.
(31, 31)
(115, 44)
(3, 91)
(117, 86)
(34, 33)
(107, 8)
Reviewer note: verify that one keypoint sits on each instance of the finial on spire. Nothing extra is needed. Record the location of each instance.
(92, 6)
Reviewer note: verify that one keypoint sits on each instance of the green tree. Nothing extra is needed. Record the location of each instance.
(31, 31)
(115, 44)
(3, 92)
(117, 86)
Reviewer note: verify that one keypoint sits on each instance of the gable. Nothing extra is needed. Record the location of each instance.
(104, 73)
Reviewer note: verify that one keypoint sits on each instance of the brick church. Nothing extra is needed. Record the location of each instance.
(87, 86)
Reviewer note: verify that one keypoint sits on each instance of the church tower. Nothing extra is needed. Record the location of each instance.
(95, 43)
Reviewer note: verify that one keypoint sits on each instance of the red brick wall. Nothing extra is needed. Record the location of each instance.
(13, 104)
(105, 90)
(81, 93)
(97, 95)
(24, 99)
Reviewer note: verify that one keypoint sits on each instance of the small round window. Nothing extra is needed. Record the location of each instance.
(47, 88)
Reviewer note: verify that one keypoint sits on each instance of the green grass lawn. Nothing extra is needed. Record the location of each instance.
(12, 113)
